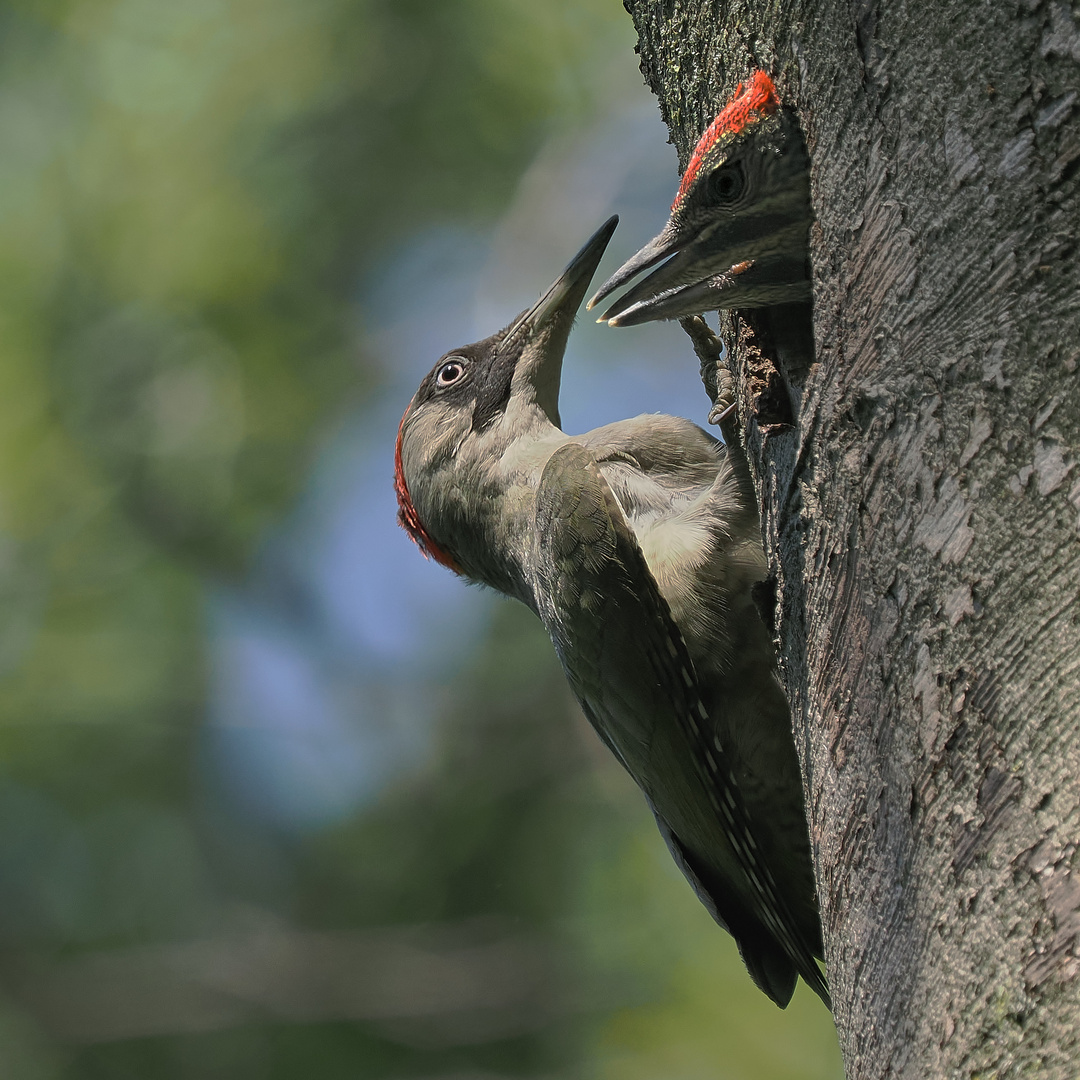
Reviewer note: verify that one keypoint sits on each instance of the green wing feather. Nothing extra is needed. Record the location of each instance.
(626, 661)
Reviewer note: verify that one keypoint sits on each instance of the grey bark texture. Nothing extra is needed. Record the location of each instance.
(921, 502)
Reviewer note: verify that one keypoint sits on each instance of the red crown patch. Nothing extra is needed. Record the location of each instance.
(748, 105)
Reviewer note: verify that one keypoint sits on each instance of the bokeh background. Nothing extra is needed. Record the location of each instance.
(278, 798)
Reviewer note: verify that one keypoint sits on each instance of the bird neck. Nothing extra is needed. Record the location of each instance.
(487, 520)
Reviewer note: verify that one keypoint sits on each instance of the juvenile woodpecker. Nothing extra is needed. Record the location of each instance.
(737, 234)
(637, 545)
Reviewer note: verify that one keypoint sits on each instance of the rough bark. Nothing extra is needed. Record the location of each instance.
(920, 503)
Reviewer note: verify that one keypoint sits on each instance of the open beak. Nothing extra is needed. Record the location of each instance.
(657, 249)
(546, 326)
(711, 271)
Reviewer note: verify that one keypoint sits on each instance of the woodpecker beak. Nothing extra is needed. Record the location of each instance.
(546, 326)
(719, 267)
(657, 249)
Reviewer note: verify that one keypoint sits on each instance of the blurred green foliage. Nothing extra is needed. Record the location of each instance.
(189, 195)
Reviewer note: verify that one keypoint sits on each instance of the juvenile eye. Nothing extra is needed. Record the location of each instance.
(726, 184)
(450, 373)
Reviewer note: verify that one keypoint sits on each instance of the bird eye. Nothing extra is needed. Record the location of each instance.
(726, 184)
(450, 373)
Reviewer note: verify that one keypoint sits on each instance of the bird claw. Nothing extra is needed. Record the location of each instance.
(722, 411)
(712, 355)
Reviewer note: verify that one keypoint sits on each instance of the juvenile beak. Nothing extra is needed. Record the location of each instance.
(658, 248)
(753, 264)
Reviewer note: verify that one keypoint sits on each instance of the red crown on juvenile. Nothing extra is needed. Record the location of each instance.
(408, 518)
(747, 106)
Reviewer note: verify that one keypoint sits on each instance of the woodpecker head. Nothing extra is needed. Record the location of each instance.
(737, 234)
(469, 429)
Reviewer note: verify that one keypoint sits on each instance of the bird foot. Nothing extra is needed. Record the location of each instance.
(712, 355)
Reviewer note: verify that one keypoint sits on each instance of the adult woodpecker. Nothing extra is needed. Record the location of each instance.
(737, 234)
(637, 545)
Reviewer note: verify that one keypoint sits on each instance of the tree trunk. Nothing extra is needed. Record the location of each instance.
(920, 502)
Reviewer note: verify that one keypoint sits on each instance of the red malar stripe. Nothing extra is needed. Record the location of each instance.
(408, 518)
